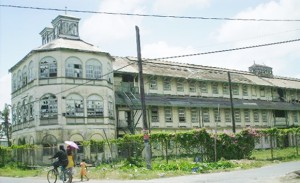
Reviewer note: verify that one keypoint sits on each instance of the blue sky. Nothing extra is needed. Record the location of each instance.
(162, 37)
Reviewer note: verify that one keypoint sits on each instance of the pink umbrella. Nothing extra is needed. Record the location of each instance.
(72, 144)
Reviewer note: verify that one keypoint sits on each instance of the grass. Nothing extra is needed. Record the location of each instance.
(175, 167)
(282, 154)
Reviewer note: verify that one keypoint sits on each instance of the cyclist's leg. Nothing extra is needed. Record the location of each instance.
(65, 175)
(56, 164)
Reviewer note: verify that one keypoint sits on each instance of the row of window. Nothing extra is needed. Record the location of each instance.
(216, 88)
(73, 69)
(217, 115)
(75, 107)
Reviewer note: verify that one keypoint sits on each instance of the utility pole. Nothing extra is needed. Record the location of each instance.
(142, 93)
(231, 103)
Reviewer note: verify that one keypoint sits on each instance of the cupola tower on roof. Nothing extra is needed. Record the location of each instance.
(261, 70)
(63, 27)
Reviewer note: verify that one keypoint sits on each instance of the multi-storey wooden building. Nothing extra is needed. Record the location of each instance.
(68, 89)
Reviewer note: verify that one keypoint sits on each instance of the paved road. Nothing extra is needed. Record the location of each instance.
(278, 173)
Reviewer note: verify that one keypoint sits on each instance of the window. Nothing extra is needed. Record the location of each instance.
(154, 114)
(74, 106)
(298, 95)
(49, 149)
(293, 94)
(109, 73)
(168, 114)
(30, 71)
(295, 117)
(24, 111)
(235, 89)
(262, 91)
(194, 115)
(237, 115)
(180, 85)
(48, 67)
(256, 116)
(19, 82)
(14, 83)
(73, 68)
(225, 89)
(48, 106)
(217, 116)
(111, 113)
(253, 88)
(227, 116)
(24, 76)
(203, 87)
(93, 69)
(181, 115)
(30, 109)
(19, 113)
(14, 115)
(214, 87)
(245, 90)
(167, 84)
(205, 115)
(96, 147)
(264, 116)
(95, 106)
(192, 86)
(247, 116)
(153, 83)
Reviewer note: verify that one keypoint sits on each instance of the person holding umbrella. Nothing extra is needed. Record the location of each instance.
(71, 163)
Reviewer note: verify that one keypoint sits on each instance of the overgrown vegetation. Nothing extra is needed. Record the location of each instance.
(174, 154)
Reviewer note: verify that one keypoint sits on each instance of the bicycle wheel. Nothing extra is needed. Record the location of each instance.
(51, 176)
(65, 176)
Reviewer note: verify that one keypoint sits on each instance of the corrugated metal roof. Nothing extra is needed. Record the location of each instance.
(76, 44)
(199, 72)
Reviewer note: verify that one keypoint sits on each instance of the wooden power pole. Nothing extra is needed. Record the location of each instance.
(231, 102)
(142, 93)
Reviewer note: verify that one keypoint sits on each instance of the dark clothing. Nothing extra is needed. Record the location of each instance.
(62, 159)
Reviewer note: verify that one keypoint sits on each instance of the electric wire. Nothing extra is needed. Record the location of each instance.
(150, 15)
(163, 16)
(228, 50)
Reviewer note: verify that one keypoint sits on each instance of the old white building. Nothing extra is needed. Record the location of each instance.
(63, 90)
(68, 89)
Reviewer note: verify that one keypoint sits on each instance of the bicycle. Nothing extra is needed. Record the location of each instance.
(62, 175)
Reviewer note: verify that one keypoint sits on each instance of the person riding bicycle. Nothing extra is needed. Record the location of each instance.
(62, 158)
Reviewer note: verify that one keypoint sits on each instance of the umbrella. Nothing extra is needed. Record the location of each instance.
(72, 144)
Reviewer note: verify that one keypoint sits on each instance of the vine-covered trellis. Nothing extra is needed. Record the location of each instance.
(199, 144)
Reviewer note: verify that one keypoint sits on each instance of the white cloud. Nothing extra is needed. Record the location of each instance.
(177, 6)
(5, 82)
(101, 29)
(262, 30)
(246, 33)
(162, 49)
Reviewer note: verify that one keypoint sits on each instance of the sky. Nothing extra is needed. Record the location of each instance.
(162, 37)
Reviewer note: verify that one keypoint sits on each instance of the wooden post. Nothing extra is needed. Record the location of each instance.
(142, 93)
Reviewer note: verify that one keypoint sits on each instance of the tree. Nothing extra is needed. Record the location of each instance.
(5, 128)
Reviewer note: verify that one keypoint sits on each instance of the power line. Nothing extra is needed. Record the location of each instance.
(151, 15)
(227, 50)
